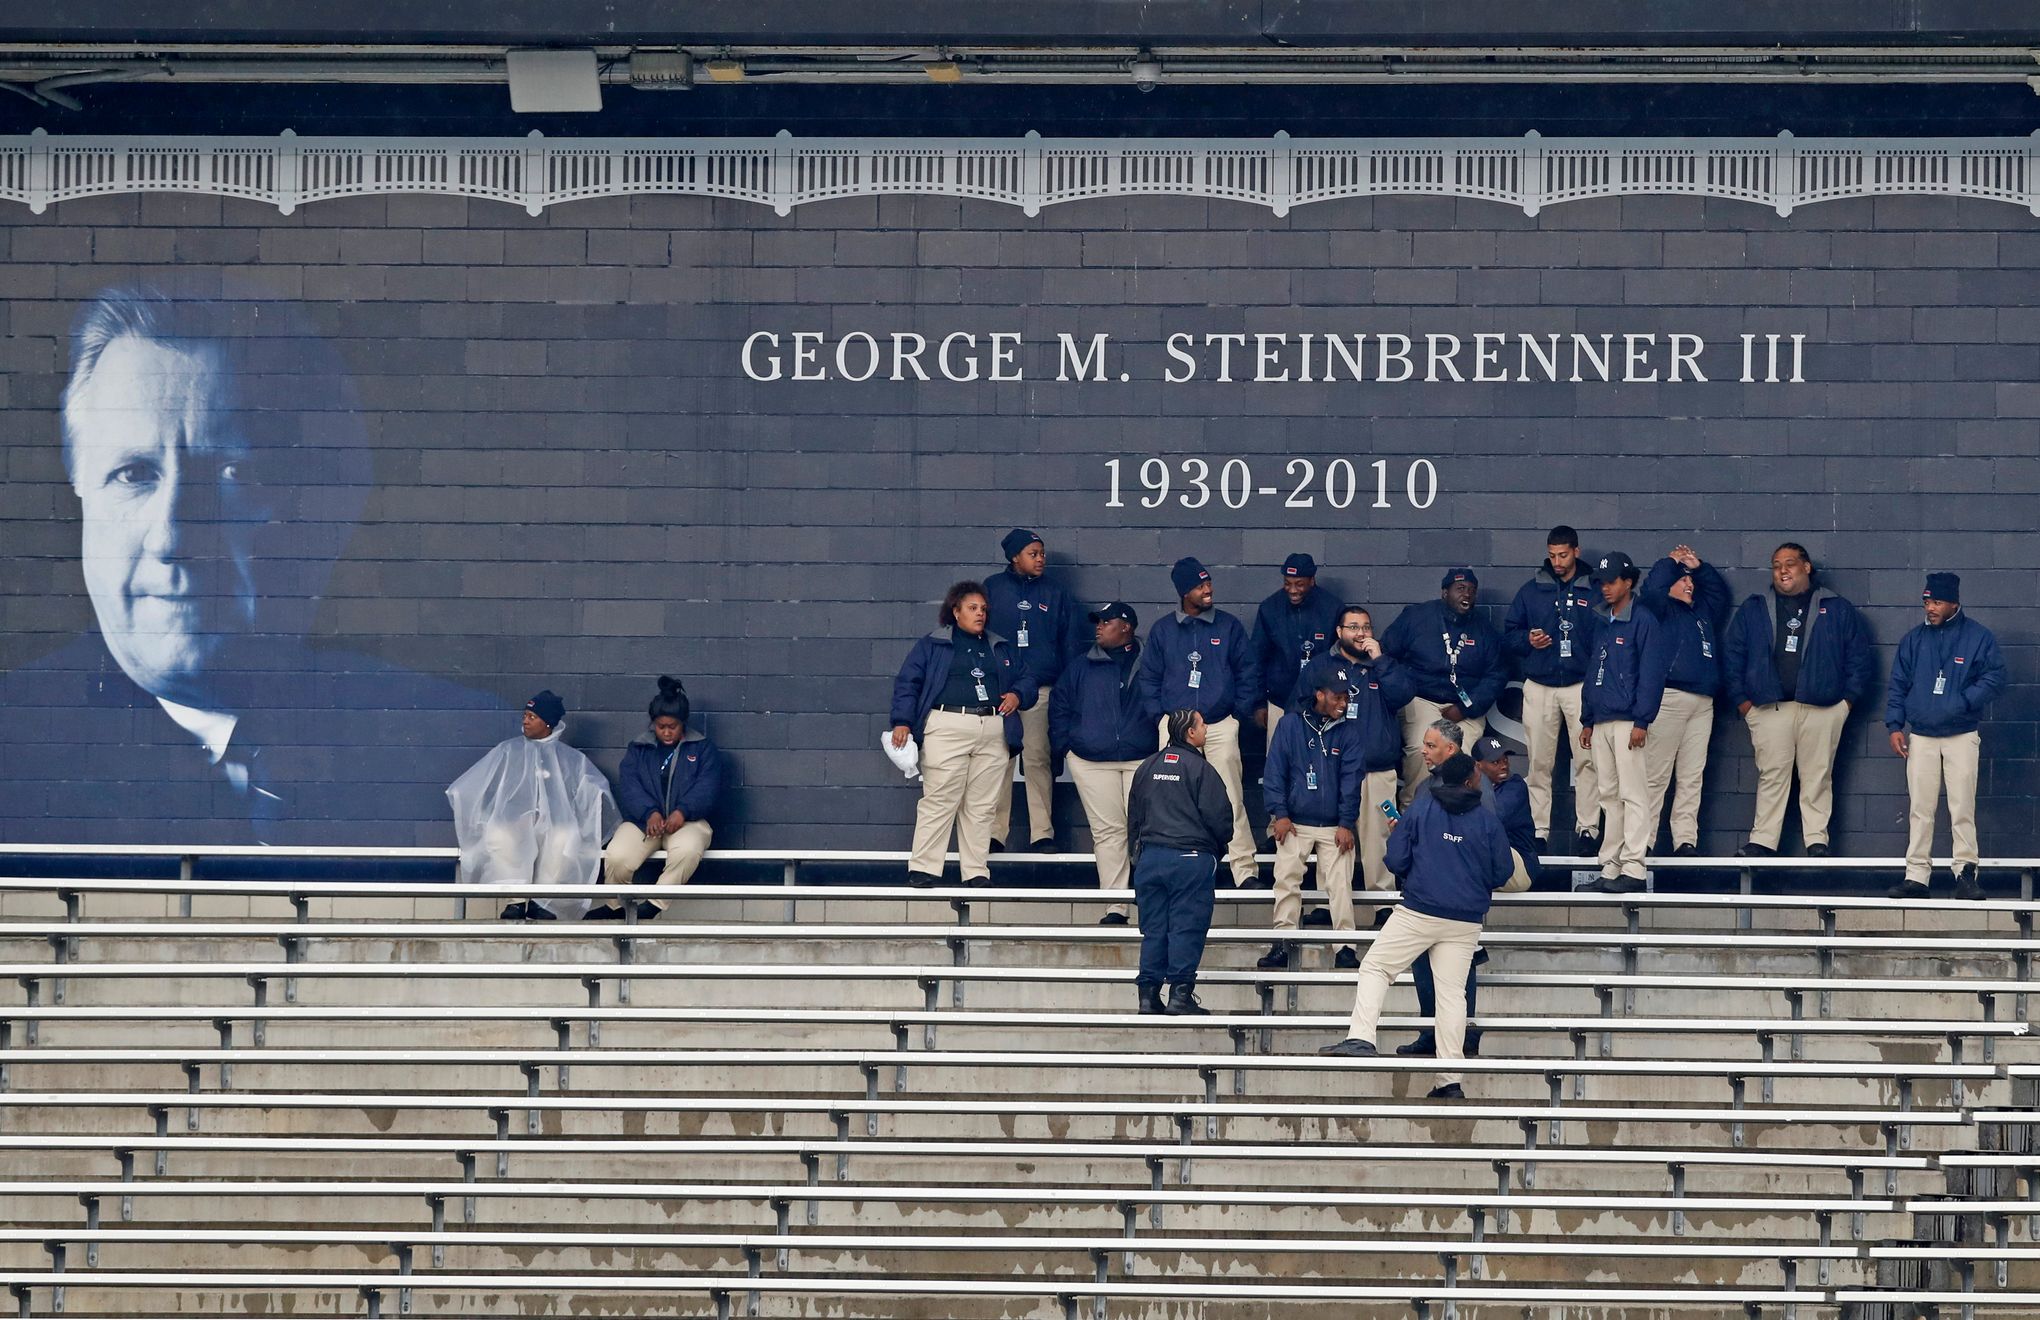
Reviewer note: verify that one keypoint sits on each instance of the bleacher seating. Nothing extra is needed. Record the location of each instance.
(294, 1096)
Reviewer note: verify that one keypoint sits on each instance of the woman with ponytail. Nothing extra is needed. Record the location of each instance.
(667, 789)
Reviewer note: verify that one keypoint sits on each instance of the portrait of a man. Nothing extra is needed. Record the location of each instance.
(219, 461)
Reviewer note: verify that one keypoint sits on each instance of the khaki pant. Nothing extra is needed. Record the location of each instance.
(1930, 763)
(964, 764)
(1418, 716)
(1519, 875)
(629, 849)
(1678, 746)
(1548, 711)
(1788, 735)
(1222, 749)
(1275, 714)
(1103, 787)
(1629, 820)
(1376, 787)
(1407, 937)
(1038, 777)
(1334, 875)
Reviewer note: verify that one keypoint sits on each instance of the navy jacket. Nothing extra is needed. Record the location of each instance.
(691, 777)
(1178, 802)
(1095, 710)
(1287, 637)
(927, 668)
(1376, 692)
(1836, 665)
(1041, 620)
(1632, 653)
(1512, 805)
(1695, 629)
(1964, 654)
(1231, 683)
(1313, 771)
(1543, 602)
(1417, 641)
(1450, 854)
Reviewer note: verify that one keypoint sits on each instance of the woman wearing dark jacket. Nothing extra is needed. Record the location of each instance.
(960, 692)
(667, 788)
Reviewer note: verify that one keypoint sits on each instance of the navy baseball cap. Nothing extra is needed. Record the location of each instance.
(1613, 565)
(1489, 748)
(1461, 574)
(1117, 609)
(1299, 566)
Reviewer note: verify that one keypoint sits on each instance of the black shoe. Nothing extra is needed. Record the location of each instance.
(1542, 845)
(1151, 999)
(1042, 846)
(1275, 959)
(539, 912)
(1113, 919)
(998, 845)
(1258, 881)
(1318, 918)
(512, 912)
(979, 881)
(923, 880)
(1350, 1048)
(1586, 845)
(1908, 889)
(1598, 885)
(1381, 916)
(1184, 1004)
(1425, 1046)
(1451, 1092)
(1346, 960)
(1816, 850)
(607, 912)
(648, 910)
(1622, 884)
(1686, 850)
(1966, 887)
(1751, 848)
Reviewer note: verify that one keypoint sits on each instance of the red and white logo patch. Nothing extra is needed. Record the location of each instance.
(1170, 758)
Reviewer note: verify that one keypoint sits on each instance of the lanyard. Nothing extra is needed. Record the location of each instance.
(1452, 651)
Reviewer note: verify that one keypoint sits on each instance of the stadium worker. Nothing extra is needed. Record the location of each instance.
(1198, 657)
(1179, 818)
(1549, 631)
(1377, 688)
(1311, 785)
(1632, 654)
(1947, 672)
(1098, 726)
(960, 691)
(1041, 620)
(533, 810)
(1293, 625)
(667, 787)
(1451, 854)
(1794, 660)
(1691, 602)
(1454, 658)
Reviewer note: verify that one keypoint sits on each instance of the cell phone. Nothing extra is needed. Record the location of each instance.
(1388, 810)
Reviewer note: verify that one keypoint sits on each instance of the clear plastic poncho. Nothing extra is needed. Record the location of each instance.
(533, 811)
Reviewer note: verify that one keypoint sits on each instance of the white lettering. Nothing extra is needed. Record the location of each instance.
(949, 371)
(1005, 346)
(1487, 351)
(771, 340)
(1178, 349)
(1268, 357)
(1225, 346)
(1435, 359)
(807, 356)
(1528, 347)
(1399, 353)
(1086, 366)
(903, 358)
(1636, 356)
(1686, 353)
(1600, 360)
(1351, 355)
(843, 356)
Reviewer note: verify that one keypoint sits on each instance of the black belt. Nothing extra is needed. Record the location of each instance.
(969, 710)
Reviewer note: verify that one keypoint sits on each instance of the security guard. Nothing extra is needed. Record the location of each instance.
(1455, 658)
(1041, 621)
(1311, 786)
(1178, 816)
(1292, 625)
(1198, 657)
(1377, 688)
(1632, 654)
(1691, 600)
(1947, 670)
(1549, 630)
(1099, 729)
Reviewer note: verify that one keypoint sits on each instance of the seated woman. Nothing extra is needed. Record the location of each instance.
(670, 779)
(532, 811)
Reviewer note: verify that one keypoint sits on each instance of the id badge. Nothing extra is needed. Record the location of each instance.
(982, 694)
(1310, 780)
(1791, 643)
(1020, 638)
(1940, 685)
(1196, 678)
(1352, 708)
(1565, 648)
(1464, 700)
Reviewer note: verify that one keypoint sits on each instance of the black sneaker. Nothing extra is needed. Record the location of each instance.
(923, 880)
(607, 912)
(1381, 916)
(1113, 919)
(1622, 884)
(1586, 845)
(1686, 850)
(1346, 960)
(1598, 885)
(1043, 846)
(1275, 959)
(539, 912)
(1350, 1048)
(1452, 1092)
(1318, 918)
(1816, 850)
(648, 910)
(1966, 887)
(1425, 1046)
(1751, 848)
(978, 881)
(512, 912)
(1908, 889)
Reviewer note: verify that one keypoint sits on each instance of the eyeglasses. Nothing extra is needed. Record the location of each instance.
(1356, 627)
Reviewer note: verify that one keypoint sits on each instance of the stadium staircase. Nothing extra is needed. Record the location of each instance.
(290, 1096)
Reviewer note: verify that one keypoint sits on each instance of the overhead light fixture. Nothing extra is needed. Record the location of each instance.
(661, 70)
(725, 71)
(554, 81)
(1147, 71)
(944, 71)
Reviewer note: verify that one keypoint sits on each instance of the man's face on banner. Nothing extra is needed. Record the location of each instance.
(166, 472)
